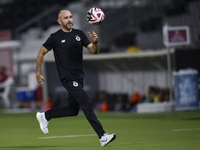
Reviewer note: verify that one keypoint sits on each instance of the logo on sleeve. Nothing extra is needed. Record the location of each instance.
(77, 38)
(63, 41)
(75, 84)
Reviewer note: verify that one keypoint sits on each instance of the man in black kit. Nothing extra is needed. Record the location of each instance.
(67, 44)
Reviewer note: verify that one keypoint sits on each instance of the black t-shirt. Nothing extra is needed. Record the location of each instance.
(68, 52)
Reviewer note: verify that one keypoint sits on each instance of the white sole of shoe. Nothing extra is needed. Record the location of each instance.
(38, 118)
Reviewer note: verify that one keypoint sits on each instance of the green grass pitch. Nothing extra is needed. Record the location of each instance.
(158, 131)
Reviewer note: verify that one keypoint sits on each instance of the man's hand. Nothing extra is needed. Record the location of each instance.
(40, 79)
(93, 47)
(93, 36)
(40, 56)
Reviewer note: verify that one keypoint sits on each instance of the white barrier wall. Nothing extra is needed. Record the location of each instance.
(131, 82)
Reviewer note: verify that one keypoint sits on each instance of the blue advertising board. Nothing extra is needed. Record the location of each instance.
(186, 90)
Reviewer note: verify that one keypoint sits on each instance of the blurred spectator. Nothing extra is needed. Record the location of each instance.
(121, 103)
(134, 100)
(161, 95)
(166, 95)
(3, 75)
(102, 104)
(148, 95)
(155, 95)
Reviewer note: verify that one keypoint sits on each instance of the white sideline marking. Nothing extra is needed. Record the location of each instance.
(66, 136)
(186, 129)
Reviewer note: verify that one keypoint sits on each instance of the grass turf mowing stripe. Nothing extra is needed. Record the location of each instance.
(177, 130)
(66, 136)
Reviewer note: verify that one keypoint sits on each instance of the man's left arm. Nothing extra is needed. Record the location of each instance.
(93, 47)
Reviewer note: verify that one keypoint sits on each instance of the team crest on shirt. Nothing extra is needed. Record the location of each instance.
(77, 38)
(75, 84)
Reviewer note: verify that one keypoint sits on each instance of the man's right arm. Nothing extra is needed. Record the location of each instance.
(40, 57)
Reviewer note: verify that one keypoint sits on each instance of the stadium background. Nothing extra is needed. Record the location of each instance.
(132, 59)
(130, 26)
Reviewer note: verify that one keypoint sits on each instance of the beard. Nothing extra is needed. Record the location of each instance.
(67, 26)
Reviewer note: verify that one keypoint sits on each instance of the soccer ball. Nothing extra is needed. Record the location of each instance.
(95, 16)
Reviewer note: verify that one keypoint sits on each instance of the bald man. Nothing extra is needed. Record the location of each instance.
(67, 44)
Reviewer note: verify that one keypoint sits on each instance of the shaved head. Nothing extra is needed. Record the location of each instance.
(62, 12)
